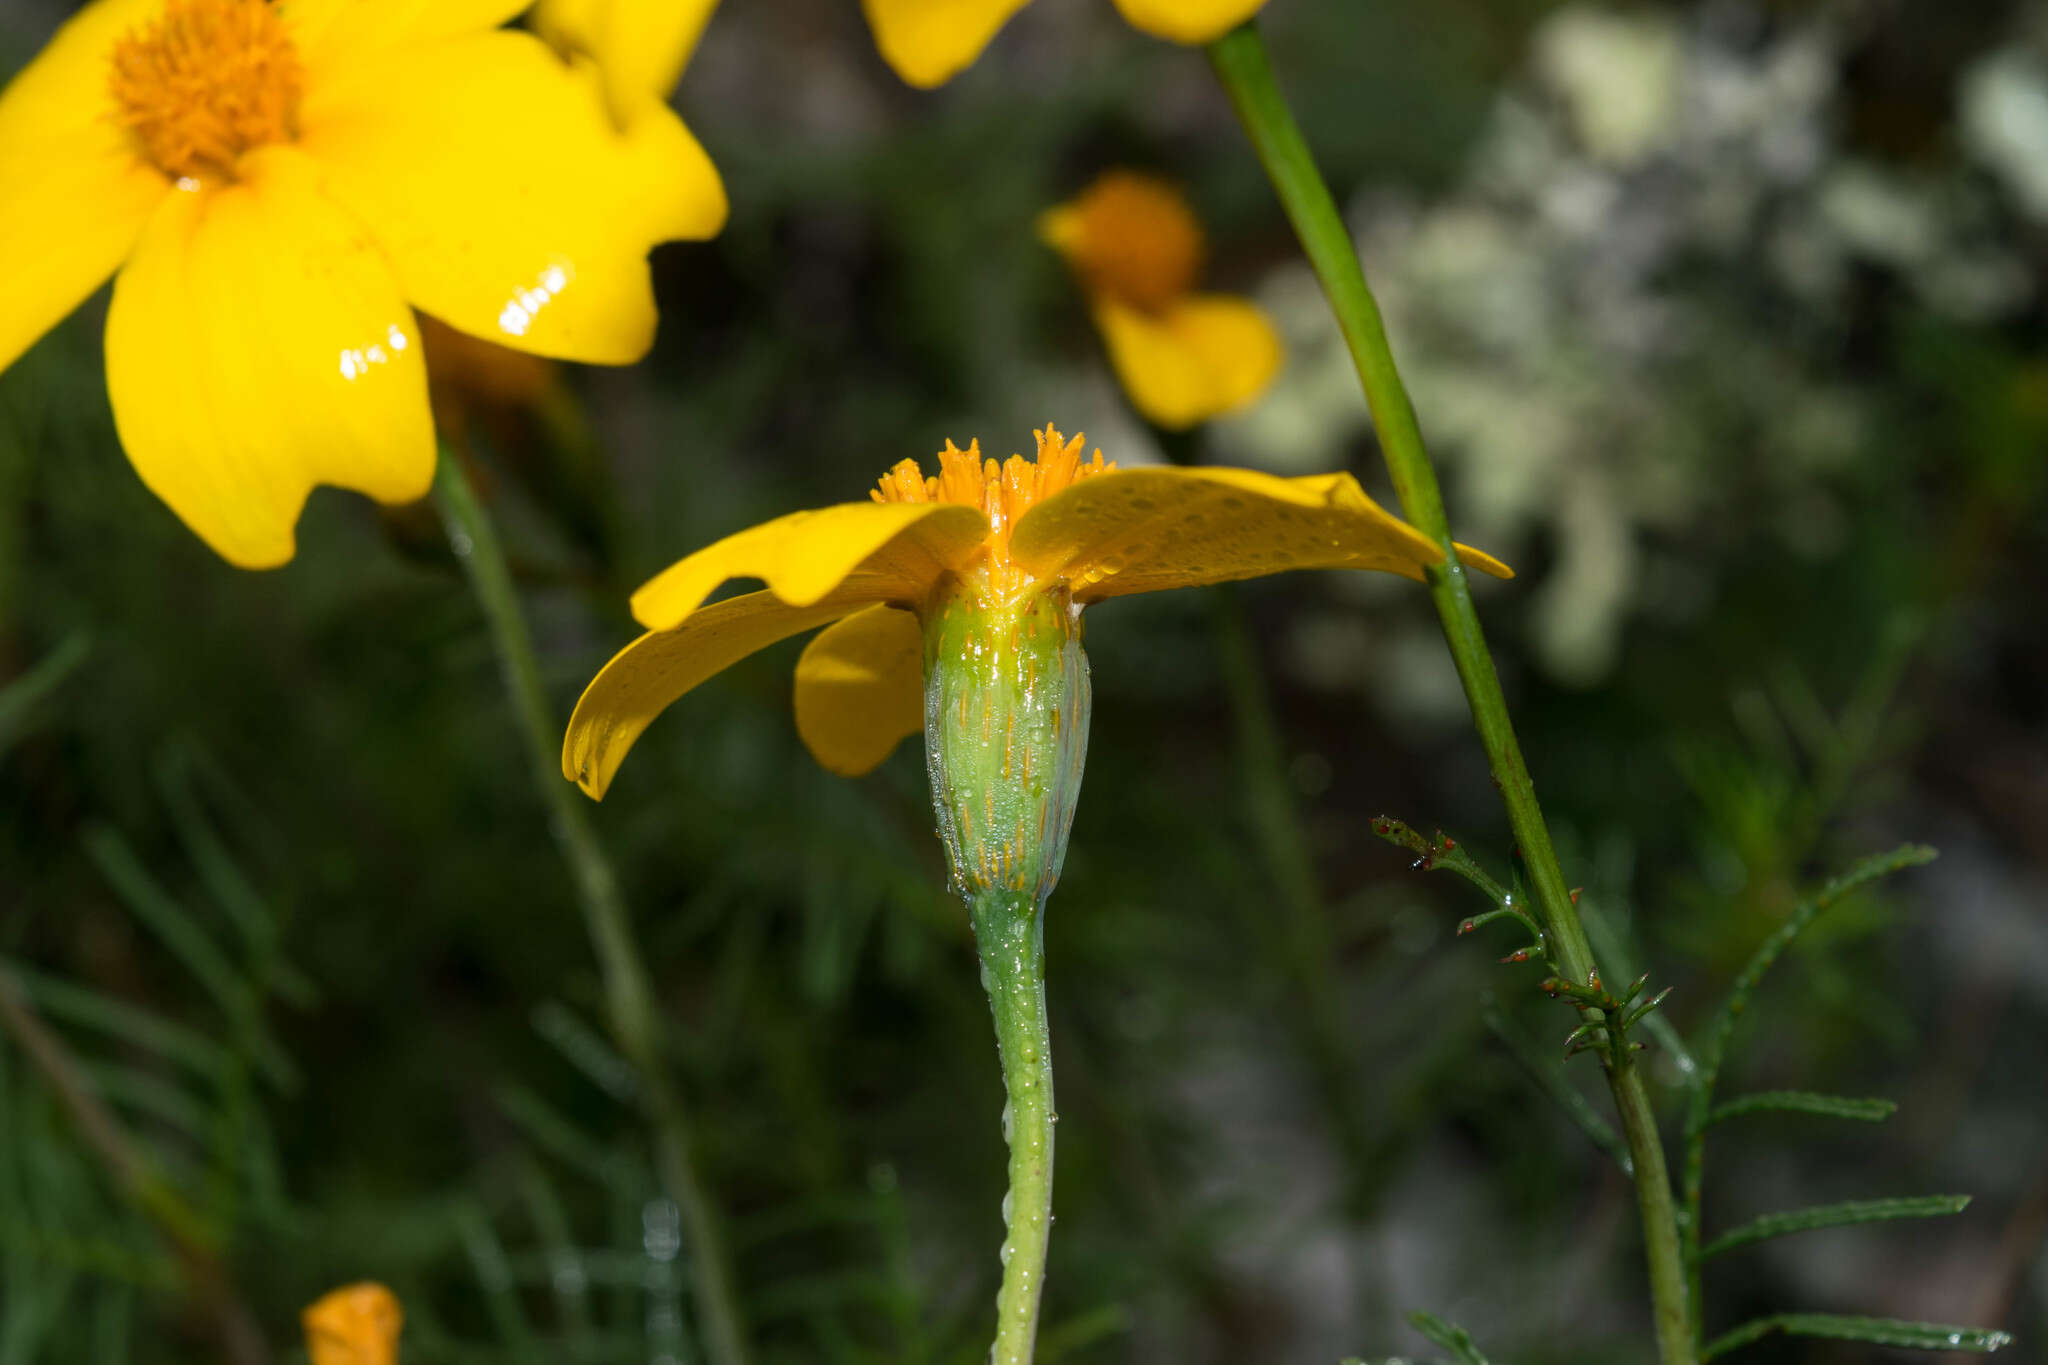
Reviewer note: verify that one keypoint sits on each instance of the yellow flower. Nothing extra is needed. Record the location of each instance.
(1182, 357)
(931, 41)
(354, 1325)
(278, 186)
(641, 46)
(1002, 534)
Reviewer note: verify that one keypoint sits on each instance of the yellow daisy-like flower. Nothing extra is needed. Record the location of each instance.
(354, 1325)
(278, 186)
(1183, 357)
(641, 46)
(931, 41)
(997, 534)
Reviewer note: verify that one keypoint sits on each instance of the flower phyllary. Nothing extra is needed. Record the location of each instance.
(931, 41)
(1183, 357)
(279, 186)
(954, 605)
(357, 1324)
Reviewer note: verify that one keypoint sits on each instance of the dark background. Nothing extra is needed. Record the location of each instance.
(1725, 322)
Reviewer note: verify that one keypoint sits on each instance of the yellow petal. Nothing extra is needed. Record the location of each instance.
(860, 689)
(1200, 358)
(331, 34)
(355, 1325)
(647, 676)
(641, 46)
(1140, 530)
(76, 195)
(257, 346)
(1188, 21)
(931, 41)
(1482, 561)
(895, 549)
(510, 206)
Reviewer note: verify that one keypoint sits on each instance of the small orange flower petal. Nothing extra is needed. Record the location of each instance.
(354, 1325)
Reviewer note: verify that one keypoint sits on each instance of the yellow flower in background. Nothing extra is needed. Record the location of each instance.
(277, 186)
(1182, 357)
(931, 41)
(1005, 533)
(355, 1325)
(641, 46)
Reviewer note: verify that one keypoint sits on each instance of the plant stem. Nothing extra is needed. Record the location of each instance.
(1009, 929)
(629, 997)
(1242, 64)
(194, 1239)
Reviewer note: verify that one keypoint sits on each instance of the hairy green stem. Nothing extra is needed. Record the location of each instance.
(1009, 928)
(634, 1018)
(1242, 64)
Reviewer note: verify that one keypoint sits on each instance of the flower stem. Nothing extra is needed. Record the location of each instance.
(1009, 928)
(633, 1015)
(1243, 66)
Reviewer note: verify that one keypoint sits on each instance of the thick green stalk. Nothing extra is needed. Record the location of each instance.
(1242, 65)
(629, 997)
(1009, 927)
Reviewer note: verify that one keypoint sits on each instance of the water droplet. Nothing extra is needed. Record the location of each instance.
(1006, 1132)
(1009, 1206)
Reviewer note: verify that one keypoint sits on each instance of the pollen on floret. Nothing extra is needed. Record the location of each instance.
(1003, 491)
(1129, 236)
(206, 81)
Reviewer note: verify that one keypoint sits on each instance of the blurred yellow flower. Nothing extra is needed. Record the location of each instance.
(931, 41)
(354, 1325)
(641, 46)
(278, 186)
(1009, 531)
(1182, 357)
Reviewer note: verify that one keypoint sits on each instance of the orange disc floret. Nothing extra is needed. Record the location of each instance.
(1131, 237)
(1004, 492)
(207, 81)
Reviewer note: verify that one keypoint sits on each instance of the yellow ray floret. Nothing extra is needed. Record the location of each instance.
(354, 1325)
(277, 186)
(641, 46)
(1182, 357)
(978, 528)
(929, 42)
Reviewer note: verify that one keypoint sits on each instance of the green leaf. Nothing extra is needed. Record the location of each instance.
(1835, 1216)
(1450, 1336)
(1804, 1102)
(1916, 1336)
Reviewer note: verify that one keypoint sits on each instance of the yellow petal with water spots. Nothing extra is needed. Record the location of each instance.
(258, 346)
(894, 550)
(509, 204)
(641, 46)
(646, 677)
(354, 1325)
(929, 42)
(1188, 21)
(77, 194)
(332, 34)
(1141, 530)
(860, 689)
(1200, 358)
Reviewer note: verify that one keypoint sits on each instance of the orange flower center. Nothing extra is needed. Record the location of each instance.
(1131, 237)
(207, 81)
(1004, 492)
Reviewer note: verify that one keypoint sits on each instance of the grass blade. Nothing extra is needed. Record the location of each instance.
(21, 695)
(1912, 1336)
(1450, 1336)
(1804, 1102)
(1835, 1216)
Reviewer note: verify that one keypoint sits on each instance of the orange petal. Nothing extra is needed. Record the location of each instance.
(77, 194)
(649, 675)
(257, 346)
(896, 550)
(507, 201)
(860, 689)
(354, 1325)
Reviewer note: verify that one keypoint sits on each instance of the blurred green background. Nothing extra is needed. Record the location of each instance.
(1726, 322)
